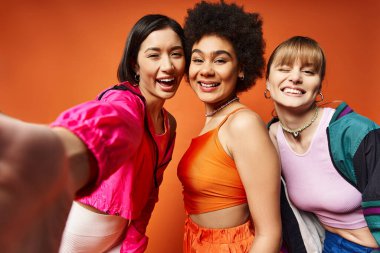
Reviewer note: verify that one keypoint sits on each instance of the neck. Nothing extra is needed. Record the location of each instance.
(153, 104)
(156, 119)
(154, 107)
(295, 122)
(211, 110)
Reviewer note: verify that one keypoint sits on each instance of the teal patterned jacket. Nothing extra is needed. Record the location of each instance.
(354, 145)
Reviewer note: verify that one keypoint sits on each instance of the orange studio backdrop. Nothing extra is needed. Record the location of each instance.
(55, 54)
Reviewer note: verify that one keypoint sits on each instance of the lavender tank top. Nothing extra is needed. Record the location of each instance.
(314, 185)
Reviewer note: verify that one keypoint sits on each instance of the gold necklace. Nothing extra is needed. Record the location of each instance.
(221, 107)
(297, 131)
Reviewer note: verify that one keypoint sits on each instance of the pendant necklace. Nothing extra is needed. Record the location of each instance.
(296, 132)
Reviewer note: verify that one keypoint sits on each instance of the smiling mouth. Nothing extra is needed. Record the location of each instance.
(208, 85)
(293, 91)
(167, 81)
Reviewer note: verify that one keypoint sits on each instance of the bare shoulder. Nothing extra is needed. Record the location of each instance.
(273, 130)
(243, 131)
(245, 120)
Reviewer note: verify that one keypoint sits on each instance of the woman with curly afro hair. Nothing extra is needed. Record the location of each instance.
(230, 173)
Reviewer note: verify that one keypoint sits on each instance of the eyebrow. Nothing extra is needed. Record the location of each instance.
(217, 52)
(159, 49)
(306, 65)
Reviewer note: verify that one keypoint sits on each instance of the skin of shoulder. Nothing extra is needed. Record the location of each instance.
(273, 134)
(237, 125)
(246, 139)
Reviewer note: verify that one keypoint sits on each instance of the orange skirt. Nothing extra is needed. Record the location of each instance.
(225, 240)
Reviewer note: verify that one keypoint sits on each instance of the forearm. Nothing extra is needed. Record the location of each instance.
(266, 243)
(79, 159)
(35, 199)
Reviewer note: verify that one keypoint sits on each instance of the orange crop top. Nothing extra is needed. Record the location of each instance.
(209, 176)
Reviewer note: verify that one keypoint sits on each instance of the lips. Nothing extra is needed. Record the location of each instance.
(166, 81)
(209, 85)
(293, 91)
(167, 84)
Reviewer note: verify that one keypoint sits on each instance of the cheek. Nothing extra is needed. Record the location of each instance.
(317, 85)
(178, 61)
(192, 73)
(142, 65)
(275, 80)
(270, 85)
(144, 71)
(228, 76)
(180, 67)
(272, 82)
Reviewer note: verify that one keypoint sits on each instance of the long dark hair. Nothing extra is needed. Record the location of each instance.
(144, 26)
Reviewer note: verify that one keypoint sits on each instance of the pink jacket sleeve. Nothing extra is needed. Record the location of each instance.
(105, 127)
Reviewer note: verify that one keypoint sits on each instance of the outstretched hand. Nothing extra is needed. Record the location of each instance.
(35, 189)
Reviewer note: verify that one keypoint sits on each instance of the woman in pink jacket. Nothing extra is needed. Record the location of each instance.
(108, 154)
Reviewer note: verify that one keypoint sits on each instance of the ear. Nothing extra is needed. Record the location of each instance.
(241, 74)
(137, 69)
(267, 85)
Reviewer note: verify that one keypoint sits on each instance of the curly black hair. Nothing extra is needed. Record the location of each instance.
(242, 29)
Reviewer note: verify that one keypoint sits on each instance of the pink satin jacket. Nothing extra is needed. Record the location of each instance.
(115, 129)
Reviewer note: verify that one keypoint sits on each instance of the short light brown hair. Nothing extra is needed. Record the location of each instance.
(300, 48)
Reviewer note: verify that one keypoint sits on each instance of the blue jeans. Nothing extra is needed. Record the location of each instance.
(336, 244)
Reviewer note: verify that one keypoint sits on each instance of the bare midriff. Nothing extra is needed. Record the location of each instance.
(224, 218)
(361, 236)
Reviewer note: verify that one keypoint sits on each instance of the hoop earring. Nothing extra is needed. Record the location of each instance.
(266, 94)
(274, 113)
(137, 77)
(322, 97)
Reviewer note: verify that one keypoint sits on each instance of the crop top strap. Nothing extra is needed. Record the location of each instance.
(228, 115)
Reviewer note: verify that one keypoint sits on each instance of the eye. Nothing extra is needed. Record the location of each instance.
(309, 72)
(220, 61)
(177, 54)
(283, 69)
(153, 56)
(196, 60)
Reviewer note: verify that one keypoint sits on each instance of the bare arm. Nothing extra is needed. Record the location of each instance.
(257, 162)
(36, 192)
(40, 171)
(81, 163)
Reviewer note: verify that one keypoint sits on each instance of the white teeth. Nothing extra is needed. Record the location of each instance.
(293, 91)
(168, 80)
(209, 85)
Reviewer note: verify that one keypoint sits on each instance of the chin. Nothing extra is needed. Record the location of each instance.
(205, 98)
(167, 95)
(296, 105)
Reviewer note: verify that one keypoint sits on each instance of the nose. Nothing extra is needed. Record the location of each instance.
(207, 70)
(167, 64)
(295, 77)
